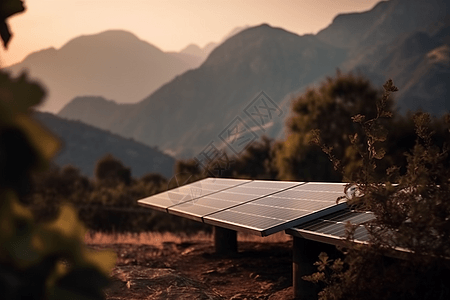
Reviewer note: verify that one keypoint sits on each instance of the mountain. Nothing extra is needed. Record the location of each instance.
(114, 64)
(193, 61)
(183, 116)
(84, 145)
(421, 64)
(406, 40)
(383, 23)
(398, 39)
(196, 51)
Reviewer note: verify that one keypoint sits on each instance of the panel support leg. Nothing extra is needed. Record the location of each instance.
(225, 240)
(304, 254)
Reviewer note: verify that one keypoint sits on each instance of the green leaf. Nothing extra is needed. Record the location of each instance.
(389, 86)
(67, 224)
(323, 257)
(18, 95)
(359, 118)
(43, 141)
(104, 261)
(7, 9)
(71, 287)
(379, 154)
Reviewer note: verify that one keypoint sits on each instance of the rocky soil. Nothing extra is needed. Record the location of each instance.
(193, 271)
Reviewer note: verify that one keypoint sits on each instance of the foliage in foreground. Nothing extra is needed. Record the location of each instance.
(45, 261)
(412, 210)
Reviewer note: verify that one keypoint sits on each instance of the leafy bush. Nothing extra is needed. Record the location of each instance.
(45, 261)
(412, 210)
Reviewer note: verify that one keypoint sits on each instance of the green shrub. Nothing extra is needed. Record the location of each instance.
(412, 209)
(37, 261)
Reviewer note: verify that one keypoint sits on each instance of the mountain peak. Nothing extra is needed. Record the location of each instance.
(117, 32)
(239, 45)
(115, 64)
(192, 49)
(113, 38)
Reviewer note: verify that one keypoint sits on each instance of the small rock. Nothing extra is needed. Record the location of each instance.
(238, 297)
(231, 269)
(187, 251)
(210, 272)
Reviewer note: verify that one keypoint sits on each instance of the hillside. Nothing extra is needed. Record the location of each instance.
(398, 39)
(407, 41)
(183, 116)
(114, 64)
(421, 62)
(83, 145)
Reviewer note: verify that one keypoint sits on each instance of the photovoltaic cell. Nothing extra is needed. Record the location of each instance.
(198, 208)
(331, 228)
(323, 187)
(225, 195)
(195, 190)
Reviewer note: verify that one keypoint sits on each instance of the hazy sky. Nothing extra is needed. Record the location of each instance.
(168, 24)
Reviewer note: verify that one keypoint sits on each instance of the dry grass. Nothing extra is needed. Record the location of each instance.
(157, 239)
(279, 237)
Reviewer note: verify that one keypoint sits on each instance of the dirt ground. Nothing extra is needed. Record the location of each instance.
(191, 270)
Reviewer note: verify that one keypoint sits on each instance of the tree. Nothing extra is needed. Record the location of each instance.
(256, 162)
(186, 171)
(111, 170)
(327, 108)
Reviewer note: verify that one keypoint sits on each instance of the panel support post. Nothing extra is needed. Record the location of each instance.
(225, 240)
(304, 254)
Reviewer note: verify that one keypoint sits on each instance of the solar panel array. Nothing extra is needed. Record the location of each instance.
(331, 228)
(257, 206)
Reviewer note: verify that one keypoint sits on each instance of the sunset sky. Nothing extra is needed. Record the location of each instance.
(169, 25)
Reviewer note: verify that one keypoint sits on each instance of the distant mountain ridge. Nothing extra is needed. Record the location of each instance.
(206, 99)
(383, 23)
(195, 50)
(403, 40)
(84, 145)
(114, 64)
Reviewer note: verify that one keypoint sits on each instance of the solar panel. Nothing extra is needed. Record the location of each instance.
(331, 228)
(280, 210)
(261, 207)
(197, 209)
(188, 192)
